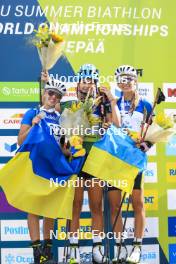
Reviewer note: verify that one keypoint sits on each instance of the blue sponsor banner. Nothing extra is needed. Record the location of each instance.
(171, 147)
(172, 253)
(172, 226)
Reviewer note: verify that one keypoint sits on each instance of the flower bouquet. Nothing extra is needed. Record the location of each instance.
(79, 117)
(76, 119)
(161, 130)
(49, 45)
(157, 130)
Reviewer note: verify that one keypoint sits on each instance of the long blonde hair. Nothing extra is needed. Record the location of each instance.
(134, 101)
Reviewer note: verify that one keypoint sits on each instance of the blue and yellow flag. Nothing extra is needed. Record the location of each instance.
(28, 178)
(116, 159)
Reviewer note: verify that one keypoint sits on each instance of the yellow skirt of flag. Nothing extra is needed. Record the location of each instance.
(116, 160)
(105, 168)
(33, 194)
(40, 179)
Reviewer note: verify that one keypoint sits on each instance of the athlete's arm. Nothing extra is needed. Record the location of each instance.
(28, 121)
(58, 107)
(115, 117)
(146, 145)
(45, 76)
(24, 130)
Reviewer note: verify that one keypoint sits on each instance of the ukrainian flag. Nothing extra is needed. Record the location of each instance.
(26, 177)
(116, 159)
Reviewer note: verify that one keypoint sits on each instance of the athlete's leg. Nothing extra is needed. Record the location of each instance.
(74, 224)
(48, 228)
(114, 196)
(34, 231)
(139, 223)
(95, 192)
(139, 212)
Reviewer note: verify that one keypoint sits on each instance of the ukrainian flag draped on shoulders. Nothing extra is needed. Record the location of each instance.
(116, 159)
(27, 177)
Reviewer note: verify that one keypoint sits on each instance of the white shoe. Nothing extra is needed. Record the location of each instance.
(120, 258)
(98, 254)
(74, 254)
(135, 255)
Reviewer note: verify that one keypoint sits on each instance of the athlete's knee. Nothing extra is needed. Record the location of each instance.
(114, 208)
(138, 206)
(96, 208)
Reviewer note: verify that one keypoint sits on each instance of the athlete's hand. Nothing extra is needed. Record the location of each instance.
(106, 125)
(98, 100)
(66, 151)
(44, 76)
(36, 120)
(145, 146)
(108, 93)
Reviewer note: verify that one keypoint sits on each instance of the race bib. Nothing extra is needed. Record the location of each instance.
(132, 121)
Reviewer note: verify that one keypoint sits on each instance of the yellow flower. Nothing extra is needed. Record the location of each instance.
(43, 28)
(88, 104)
(134, 135)
(164, 121)
(44, 34)
(79, 105)
(73, 107)
(76, 141)
(78, 147)
(39, 45)
(76, 106)
(80, 153)
(93, 120)
(56, 38)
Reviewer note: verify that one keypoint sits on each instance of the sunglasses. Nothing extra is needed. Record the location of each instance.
(125, 79)
(51, 93)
